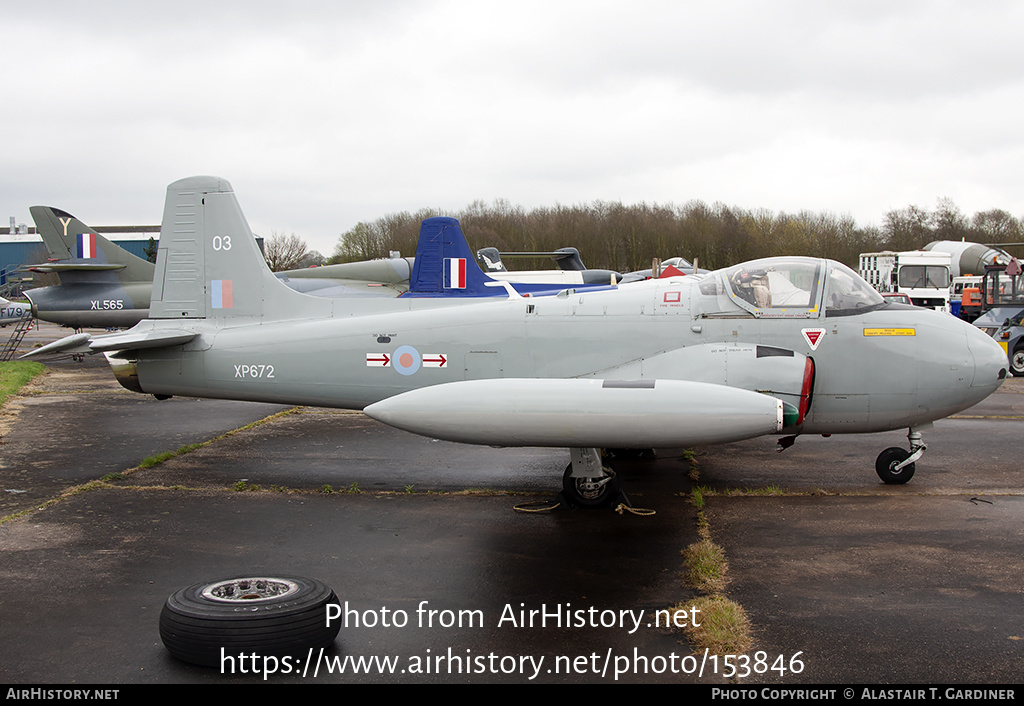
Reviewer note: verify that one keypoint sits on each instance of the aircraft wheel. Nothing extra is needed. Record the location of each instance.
(269, 616)
(1017, 362)
(590, 492)
(886, 463)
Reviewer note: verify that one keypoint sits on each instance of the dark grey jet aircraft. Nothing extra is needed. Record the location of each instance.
(780, 346)
(101, 284)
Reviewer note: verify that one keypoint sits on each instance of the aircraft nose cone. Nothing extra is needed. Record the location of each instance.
(990, 364)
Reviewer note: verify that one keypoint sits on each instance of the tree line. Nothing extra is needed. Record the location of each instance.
(616, 236)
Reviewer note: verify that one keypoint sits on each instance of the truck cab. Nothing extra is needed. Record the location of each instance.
(1002, 298)
(922, 275)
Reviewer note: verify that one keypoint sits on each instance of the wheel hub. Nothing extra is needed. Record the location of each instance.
(249, 590)
(1017, 362)
(591, 488)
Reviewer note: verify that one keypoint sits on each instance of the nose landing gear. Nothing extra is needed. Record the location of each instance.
(895, 466)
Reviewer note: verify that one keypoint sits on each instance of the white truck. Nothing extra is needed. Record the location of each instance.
(922, 275)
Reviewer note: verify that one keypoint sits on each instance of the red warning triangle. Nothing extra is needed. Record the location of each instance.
(813, 336)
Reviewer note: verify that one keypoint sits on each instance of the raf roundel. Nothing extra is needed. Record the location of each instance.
(406, 360)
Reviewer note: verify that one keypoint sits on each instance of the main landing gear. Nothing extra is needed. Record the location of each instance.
(895, 466)
(587, 482)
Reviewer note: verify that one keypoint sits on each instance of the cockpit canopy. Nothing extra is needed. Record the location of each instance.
(791, 287)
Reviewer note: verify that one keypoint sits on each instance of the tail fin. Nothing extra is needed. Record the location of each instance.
(209, 265)
(68, 239)
(569, 259)
(445, 265)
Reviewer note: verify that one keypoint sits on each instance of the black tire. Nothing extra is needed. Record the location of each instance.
(1017, 362)
(590, 492)
(886, 463)
(269, 616)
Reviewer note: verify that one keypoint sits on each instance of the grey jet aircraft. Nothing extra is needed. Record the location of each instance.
(781, 346)
(13, 312)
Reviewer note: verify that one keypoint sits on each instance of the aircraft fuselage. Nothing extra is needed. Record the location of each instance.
(887, 368)
(92, 304)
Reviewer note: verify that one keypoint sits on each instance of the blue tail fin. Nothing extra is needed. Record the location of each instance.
(445, 266)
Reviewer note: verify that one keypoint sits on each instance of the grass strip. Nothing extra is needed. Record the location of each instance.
(15, 374)
(723, 627)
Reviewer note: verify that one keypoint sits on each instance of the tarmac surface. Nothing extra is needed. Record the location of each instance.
(847, 579)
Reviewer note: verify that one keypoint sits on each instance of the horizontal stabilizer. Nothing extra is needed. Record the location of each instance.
(75, 267)
(582, 413)
(128, 340)
(133, 341)
(75, 343)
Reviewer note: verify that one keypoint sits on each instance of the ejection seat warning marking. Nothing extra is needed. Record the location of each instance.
(813, 336)
(890, 332)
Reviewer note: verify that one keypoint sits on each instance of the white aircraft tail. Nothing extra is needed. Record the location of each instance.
(209, 265)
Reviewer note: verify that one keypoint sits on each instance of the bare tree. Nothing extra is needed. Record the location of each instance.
(313, 258)
(996, 226)
(617, 236)
(284, 252)
(948, 222)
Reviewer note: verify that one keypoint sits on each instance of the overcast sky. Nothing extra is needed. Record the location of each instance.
(324, 114)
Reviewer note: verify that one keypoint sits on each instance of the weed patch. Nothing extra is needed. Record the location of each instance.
(724, 627)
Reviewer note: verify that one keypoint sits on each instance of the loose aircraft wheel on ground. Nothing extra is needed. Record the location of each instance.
(1017, 363)
(272, 615)
(887, 462)
(590, 492)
